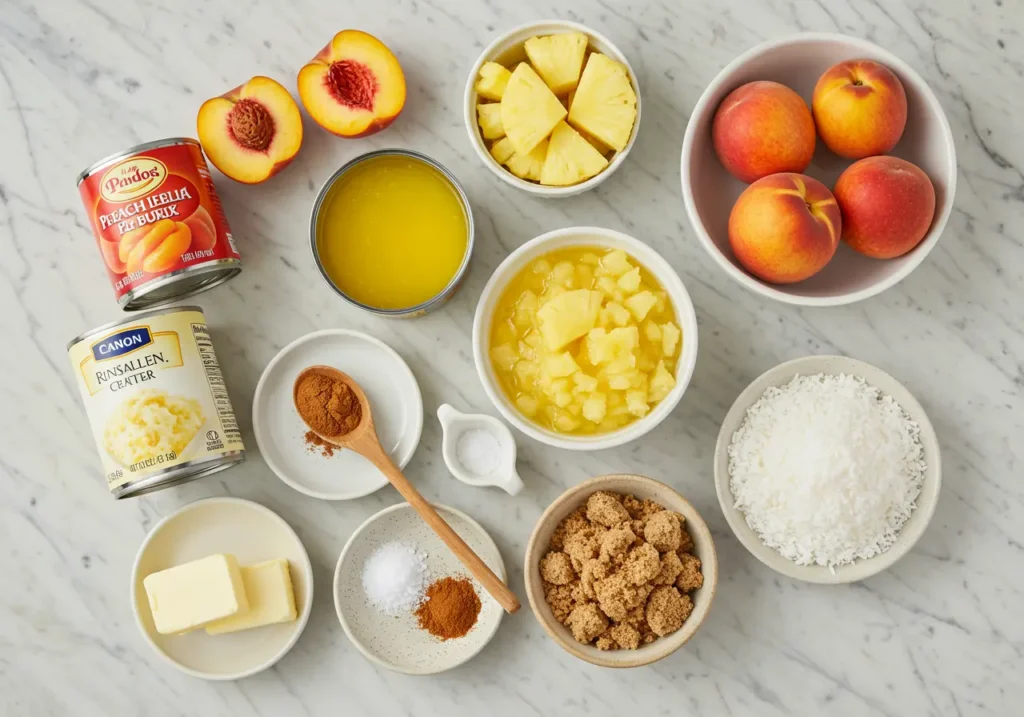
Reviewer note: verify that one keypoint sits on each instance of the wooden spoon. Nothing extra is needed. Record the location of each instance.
(364, 441)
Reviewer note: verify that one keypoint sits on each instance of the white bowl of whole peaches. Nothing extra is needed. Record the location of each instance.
(818, 170)
(552, 108)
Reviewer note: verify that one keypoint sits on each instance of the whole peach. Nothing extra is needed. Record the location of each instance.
(762, 128)
(887, 205)
(860, 108)
(785, 227)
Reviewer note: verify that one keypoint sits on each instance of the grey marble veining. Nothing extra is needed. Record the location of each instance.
(941, 633)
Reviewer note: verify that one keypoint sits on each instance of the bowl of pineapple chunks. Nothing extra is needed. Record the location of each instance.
(552, 108)
(585, 338)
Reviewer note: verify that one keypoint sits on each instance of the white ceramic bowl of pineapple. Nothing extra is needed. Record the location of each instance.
(664, 355)
(508, 50)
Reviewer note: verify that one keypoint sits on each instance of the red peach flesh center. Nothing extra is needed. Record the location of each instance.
(251, 125)
(352, 83)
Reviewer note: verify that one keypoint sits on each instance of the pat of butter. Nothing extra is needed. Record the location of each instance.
(271, 598)
(188, 596)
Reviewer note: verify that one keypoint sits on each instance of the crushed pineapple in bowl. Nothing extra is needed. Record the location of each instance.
(585, 338)
(552, 108)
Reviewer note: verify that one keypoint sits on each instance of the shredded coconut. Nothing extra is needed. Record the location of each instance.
(826, 469)
(395, 577)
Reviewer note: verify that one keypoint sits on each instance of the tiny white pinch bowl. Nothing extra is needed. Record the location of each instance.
(393, 393)
(398, 643)
(911, 531)
(508, 48)
(453, 424)
(797, 61)
(253, 533)
(601, 238)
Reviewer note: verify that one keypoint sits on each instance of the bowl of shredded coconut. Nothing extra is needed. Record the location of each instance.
(827, 469)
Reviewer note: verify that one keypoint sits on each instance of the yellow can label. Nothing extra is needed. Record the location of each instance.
(155, 396)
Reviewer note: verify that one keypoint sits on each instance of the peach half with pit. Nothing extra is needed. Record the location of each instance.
(252, 132)
(354, 87)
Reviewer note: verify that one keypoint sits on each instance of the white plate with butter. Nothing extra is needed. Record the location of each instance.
(253, 534)
(394, 396)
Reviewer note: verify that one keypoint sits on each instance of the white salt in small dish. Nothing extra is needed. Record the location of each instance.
(911, 531)
(479, 450)
(398, 643)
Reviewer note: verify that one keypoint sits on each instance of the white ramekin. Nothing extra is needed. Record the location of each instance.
(597, 237)
(508, 47)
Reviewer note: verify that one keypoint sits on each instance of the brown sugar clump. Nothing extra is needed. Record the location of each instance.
(690, 577)
(667, 609)
(556, 568)
(587, 622)
(663, 531)
(604, 509)
(617, 572)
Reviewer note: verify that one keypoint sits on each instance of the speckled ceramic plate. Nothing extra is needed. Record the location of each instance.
(398, 643)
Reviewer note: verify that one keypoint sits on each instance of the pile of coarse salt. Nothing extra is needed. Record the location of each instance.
(826, 469)
(395, 577)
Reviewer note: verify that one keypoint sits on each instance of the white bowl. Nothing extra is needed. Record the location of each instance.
(508, 49)
(911, 531)
(798, 61)
(597, 237)
(397, 642)
(253, 533)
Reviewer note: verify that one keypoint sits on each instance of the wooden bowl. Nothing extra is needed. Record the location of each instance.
(640, 487)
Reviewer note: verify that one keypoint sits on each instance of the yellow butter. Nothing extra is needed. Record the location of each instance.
(188, 596)
(268, 586)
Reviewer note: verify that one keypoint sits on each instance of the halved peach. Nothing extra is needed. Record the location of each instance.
(354, 87)
(110, 255)
(252, 132)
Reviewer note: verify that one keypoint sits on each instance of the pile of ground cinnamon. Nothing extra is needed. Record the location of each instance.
(328, 406)
(451, 608)
(315, 443)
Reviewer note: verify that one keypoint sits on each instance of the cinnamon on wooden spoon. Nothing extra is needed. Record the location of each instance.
(359, 435)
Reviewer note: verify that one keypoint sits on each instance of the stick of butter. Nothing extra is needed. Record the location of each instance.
(268, 586)
(188, 596)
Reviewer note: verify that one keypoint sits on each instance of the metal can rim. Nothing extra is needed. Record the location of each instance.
(134, 318)
(227, 267)
(470, 240)
(143, 147)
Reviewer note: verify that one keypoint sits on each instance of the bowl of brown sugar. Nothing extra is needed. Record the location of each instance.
(621, 571)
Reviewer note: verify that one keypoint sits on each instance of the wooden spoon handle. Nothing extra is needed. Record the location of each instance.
(472, 562)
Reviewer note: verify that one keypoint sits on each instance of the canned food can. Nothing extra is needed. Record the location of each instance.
(156, 400)
(158, 223)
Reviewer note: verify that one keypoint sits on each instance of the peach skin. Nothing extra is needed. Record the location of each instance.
(785, 228)
(155, 248)
(204, 231)
(763, 128)
(354, 87)
(110, 255)
(252, 132)
(860, 108)
(887, 205)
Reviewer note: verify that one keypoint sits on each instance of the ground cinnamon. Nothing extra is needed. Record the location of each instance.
(315, 443)
(327, 405)
(451, 608)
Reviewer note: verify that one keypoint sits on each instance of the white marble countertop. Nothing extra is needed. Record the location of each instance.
(939, 634)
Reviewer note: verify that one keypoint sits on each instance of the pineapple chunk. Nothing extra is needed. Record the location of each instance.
(564, 422)
(568, 316)
(620, 365)
(595, 407)
(584, 276)
(670, 334)
(527, 404)
(640, 304)
(630, 281)
(526, 309)
(563, 399)
(604, 105)
(526, 373)
(590, 259)
(610, 289)
(559, 365)
(553, 387)
(652, 331)
(493, 80)
(529, 110)
(662, 298)
(615, 313)
(636, 402)
(528, 166)
(532, 338)
(541, 266)
(489, 118)
(645, 361)
(526, 351)
(599, 346)
(564, 274)
(502, 150)
(504, 356)
(584, 382)
(661, 383)
(625, 339)
(570, 159)
(616, 263)
(558, 59)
